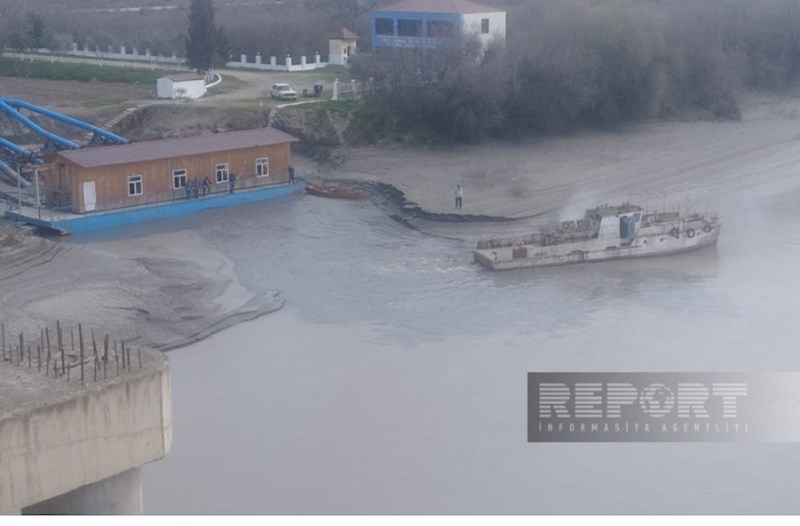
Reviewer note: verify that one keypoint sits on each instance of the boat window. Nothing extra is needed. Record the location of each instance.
(626, 227)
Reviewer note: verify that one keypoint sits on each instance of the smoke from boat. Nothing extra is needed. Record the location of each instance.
(577, 205)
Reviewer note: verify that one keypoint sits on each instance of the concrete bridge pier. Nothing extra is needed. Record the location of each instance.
(117, 495)
(75, 443)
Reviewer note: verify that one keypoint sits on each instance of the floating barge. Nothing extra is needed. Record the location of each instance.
(81, 189)
(605, 233)
(65, 223)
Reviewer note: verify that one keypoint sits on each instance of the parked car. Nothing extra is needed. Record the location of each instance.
(282, 91)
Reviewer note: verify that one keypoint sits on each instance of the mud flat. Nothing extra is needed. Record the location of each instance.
(552, 178)
(164, 290)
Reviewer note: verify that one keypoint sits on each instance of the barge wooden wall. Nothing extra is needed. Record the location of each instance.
(111, 182)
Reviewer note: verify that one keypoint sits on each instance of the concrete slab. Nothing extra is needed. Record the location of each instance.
(57, 436)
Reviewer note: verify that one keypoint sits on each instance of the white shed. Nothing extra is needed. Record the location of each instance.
(181, 86)
(342, 46)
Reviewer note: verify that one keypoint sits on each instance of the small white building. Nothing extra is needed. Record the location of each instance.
(342, 46)
(181, 86)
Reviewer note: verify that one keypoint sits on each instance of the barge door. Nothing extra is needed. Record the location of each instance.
(89, 196)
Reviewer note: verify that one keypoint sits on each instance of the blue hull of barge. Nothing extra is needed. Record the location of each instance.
(110, 219)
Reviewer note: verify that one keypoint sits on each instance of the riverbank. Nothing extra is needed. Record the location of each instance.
(548, 179)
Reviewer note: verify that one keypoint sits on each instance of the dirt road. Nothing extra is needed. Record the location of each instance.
(249, 85)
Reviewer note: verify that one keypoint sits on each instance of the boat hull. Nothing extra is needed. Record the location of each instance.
(647, 244)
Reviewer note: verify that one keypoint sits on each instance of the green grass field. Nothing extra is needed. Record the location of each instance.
(78, 72)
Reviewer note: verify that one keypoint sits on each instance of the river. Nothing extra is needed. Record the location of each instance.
(394, 380)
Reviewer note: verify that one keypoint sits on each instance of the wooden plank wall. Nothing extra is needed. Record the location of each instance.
(111, 182)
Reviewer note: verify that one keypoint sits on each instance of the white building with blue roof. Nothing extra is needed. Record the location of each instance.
(432, 24)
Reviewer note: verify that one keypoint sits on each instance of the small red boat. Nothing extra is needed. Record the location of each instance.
(340, 192)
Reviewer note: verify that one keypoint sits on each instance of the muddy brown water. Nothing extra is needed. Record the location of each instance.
(394, 381)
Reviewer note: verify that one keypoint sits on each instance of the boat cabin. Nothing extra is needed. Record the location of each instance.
(614, 222)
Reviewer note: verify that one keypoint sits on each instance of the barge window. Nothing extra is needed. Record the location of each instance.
(262, 166)
(222, 173)
(178, 179)
(134, 185)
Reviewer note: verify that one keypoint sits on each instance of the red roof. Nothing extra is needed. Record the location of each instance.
(439, 6)
(169, 148)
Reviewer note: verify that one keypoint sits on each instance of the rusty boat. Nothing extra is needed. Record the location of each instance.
(605, 232)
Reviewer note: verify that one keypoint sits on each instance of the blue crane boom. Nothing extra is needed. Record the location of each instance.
(17, 155)
(105, 134)
(13, 176)
(51, 137)
(19, 152)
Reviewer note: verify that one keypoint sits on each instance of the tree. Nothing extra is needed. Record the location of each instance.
(456, 92)
(36, 30)
(18, 37)
(15, 25)
(345, 12)
(201, 45)
(222, 50)
(12, 21)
